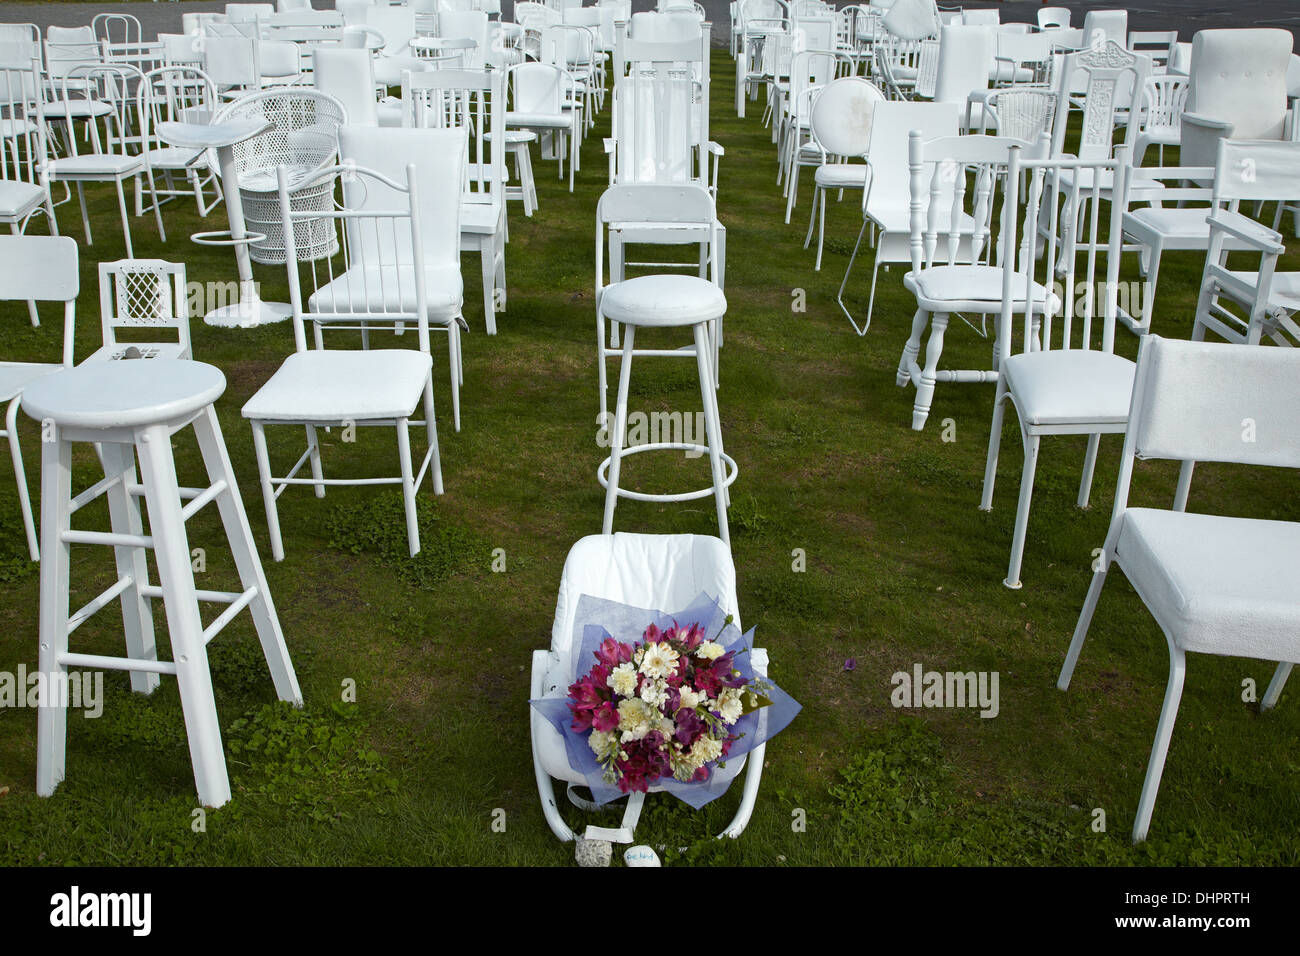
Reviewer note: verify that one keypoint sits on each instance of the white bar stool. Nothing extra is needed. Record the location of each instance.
(130, 408)
(667, 302)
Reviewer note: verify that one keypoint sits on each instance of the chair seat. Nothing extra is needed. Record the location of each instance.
(94, 164)
(480, 218)
(130, 394)
(663, 301)
(333, 385)
(972, 288)
(16, 376)
(380, 289)
(18, 198)
(149, 351)
(77, 109)
(1284, 292)
(1136, 191)
(841, 176)
(1070, 386)
(539, 120)
(1216, 585)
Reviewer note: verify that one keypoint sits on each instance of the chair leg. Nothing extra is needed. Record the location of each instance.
(454, 357)
(1184, 485)
(31, 304)
(812, 214)
(602, 383)
(52, 721)
(704, 363)
(792, 182)
(313, 446)
(126, 222)
(20, 477)
(268, 490)
(124, 516)
(1275, 686)
(1022, 509)
(157, 205)
(85, 217)
(408, 485)
(1085, 620)
(487, 265)
(431, 434)
(911, 348)
(1160, 748)
(620, 426)
(821, 231)
(995, 445)
(1089, 465)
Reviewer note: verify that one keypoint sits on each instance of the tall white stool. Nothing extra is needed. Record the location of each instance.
(517, 143)
(667, 302)
(130, 408)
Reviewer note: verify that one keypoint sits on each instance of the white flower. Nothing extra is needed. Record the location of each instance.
(654, 692)
(690, 698)
(623, 680)
(660, 660)
(729, 706)
(634, 719)
(709, 651)
(706, 749)
(602, 744)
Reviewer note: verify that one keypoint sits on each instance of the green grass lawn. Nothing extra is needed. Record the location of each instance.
(902, 568)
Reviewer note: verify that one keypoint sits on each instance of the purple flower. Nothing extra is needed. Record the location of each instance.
(851, 664)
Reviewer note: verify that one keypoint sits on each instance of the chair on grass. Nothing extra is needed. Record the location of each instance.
(139, 296)
(1214, 584)
(35, 269)
(641, 570)
(378, 280)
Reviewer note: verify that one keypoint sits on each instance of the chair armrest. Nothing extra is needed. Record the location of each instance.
(1200, 138)
(1247, 230)
(609, 145)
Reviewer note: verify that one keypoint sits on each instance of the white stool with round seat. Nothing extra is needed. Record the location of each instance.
(133, 408)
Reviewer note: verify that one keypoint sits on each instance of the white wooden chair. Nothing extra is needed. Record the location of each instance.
(138, 296)
(1214, 584)
(22, 191)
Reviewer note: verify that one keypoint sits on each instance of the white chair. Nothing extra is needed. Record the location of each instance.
(139, 296)
(957, 264)
(1157, 45)
(885, 204)
(1265, 300)
(963, 74)
(110, 158)
(1105, 26)
(380, 282)
(1067, 380)
(1214, 584)
(1238, 90)
(1160, 120)
(840, 122)
(538, 92)
(348, 75)
(35, 269)
(175, 94)
(476, 102)
(763, 23)
(22, 191)
(1053, 17)
(640, 570)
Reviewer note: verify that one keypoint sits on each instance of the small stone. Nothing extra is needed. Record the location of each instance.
(593, 852)
(131, 352)
(641, 856)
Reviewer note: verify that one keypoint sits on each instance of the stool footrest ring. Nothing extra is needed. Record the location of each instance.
(602, 472)
(224, 238)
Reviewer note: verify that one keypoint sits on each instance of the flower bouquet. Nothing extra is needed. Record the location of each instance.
(662, 700)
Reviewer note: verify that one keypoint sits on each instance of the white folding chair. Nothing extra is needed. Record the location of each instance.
(1214, 584)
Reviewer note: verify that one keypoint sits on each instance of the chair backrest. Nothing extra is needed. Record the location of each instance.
(22, 126)
(303, 135)
(349, 76)
(1105, 26)
(1042, 247)
(174, 94)
(842, 114)
(1212, 401)
(19, 44)
(439, 158)
(1110, 77)
(67, 48)
(1156, 44)
(1049, 17)
(43, 269)
(891, 124)
(115, 87)
(657, 133)
(539, 88)
(677, 204)
(1240, 76)
(1025, 113)
(117, 28)
(1024, 51)
(232, 61)
(467, 25)
(137, 294)
(965, 54)
(912, 19)
(245, 12)
(471, 100)
(984, 18)
(397, 24)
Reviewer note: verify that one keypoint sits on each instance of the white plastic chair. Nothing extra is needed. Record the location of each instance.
(641, 570)
(35, 269)
(1073, 384)
(138, 296)
(1105, 26)
(476, 102)
(1050, 17)
(1214, 584)
(379, 281)
(1160, 121)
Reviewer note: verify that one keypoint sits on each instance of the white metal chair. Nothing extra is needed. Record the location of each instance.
(379, 280)
(538, 92)
(37, 269)
(175, 94)
(1214, 584)
(475, 102)
(641, 570)
(22, 191)
(139, 296)
(110, 158)
(1073, 384)
(840, 121)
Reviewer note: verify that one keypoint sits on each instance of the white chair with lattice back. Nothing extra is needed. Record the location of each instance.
(147, 301)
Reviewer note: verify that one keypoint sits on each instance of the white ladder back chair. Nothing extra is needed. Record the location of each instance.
(1214, 584)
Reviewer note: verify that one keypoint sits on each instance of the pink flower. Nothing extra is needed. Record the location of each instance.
(605, 718)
